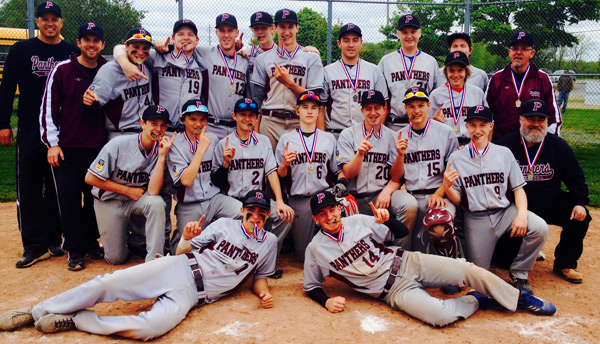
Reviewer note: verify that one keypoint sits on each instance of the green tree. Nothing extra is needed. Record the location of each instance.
(313, 31)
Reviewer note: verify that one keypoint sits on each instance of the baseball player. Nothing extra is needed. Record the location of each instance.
(123, 101)
(479, 177)
(74, 138)
(368, 153)
(345, 80)
(280, 75)
(176, 75)
(351, 250)
(449, 102)
(190, 164)
(407, 67)
(127, 176)
(425, 146)
(244, 159)
(211, 264)
(308, 156)
(461, 41)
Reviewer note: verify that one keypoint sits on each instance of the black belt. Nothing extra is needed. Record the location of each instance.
(422, 192)
(197, 274)
(128, 130)
(393, 273)
(363, 195)
(178, 129)
(279, 114)
(226, 122)
(395, 119)
(337, 131)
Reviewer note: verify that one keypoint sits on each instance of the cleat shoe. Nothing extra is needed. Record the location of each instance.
(138, 250)
(51, 323)
(56, 251)
(541, 256)
(96, 252)
(569, 275)
(450, 289)
(521, 283)
(75, 262)
(535, 304)
(29, 259)
(485, 302)
(277, 274)
(16, 318)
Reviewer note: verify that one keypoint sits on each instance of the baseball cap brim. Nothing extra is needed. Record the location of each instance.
(138, 40)
(406, 100)
(531, 114)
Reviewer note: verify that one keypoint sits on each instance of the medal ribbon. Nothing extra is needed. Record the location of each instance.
(309, 153)
(408, 72)
(193, 145)
(153, 151)
(537, 154)
(255, 233)
(355, 81)
(283, 52)
(340, 235)
(142, 68)
(520, 87)
(230, 71)
(410, 133)
(473, 150)
(189, 60)
(251, 139)
(455, 114)
(376, 134)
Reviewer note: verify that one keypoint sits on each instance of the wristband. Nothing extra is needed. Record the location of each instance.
(343, 181)
(184, 244)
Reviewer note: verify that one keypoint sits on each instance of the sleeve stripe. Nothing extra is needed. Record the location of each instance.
(48, 129)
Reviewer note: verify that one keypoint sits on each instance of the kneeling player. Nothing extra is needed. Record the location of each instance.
(179, 282)
(350, 250)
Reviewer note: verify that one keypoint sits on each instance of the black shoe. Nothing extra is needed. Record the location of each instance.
(56, 251)
(29, 259)
(96, 252)
(75, 262)
(521, 283)
(277, 274)
(138, 250)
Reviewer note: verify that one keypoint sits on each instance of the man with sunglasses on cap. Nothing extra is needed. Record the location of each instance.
(461, 41)
(74, 138)
(280, 75)
(127, 176)
(27, 66)
(345, 80)
(190, 164)
(351, 250)
(210, 264)
(123, 101)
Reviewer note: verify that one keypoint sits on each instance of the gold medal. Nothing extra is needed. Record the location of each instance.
(456, 130)
(139, 61)
(530, 176)
(311, 169)
(232, 89)
(355, 98)
(518, 103)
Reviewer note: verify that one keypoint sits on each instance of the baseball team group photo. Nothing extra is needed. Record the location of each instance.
(320, 187)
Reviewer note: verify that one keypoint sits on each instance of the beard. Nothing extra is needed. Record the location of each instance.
(533, 137)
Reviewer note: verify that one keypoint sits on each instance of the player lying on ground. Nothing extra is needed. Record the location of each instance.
(351, 250)
(194, 277)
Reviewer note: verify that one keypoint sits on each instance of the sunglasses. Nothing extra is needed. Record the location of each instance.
(310, 96)
(247, 105)
(194, 108)
(415, 94)
(140, 36)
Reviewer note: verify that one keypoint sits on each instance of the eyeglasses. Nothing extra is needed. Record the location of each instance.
(415, 94)
(247, 105)
(194, 108)
(310, 96)
(520, 49)
(140, 36)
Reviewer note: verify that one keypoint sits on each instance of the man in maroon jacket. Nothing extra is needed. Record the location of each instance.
(521, 80)
(74, 137)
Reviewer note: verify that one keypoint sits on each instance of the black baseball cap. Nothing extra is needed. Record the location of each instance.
(256, 198)
(286, 15)
(91, 28)
(226, 18)
(349, 28)
(457, 57)
(522, 36)
(372, 96)
(535, 107)
(156, 112)
(409, 20)
(414, 93)
(308, 96)
(245, 104)
(261, 18)
(322, 200)
(481, 112)
(137, 34)
(185, 22)
(459, 35)
(193, 106)
(48, 6)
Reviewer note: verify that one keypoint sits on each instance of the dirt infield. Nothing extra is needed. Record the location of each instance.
(297, 319)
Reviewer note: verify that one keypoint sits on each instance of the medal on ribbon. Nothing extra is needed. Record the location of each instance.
(519, 88)
(230, 71)
(456, 114)
(530, 163)
(354, 82)
(309, 153)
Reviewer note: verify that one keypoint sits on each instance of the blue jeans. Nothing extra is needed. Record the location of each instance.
(563, 96)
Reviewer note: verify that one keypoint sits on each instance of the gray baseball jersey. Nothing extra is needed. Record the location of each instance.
(426, 155)
(254, 52)
(223, 81)
(227, 259)
(122, 162)
(342, 89)
(305, 69)
(357, 257)
(123, 101)
(424, 72)
(253, 161)
(440, 98)
(309, 178)
(375, 169)
(486, 177)
(179, 158)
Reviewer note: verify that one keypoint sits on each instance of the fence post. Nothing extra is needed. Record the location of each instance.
(467, 27)
(329, 20)
(180, 7)
(30, 18)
